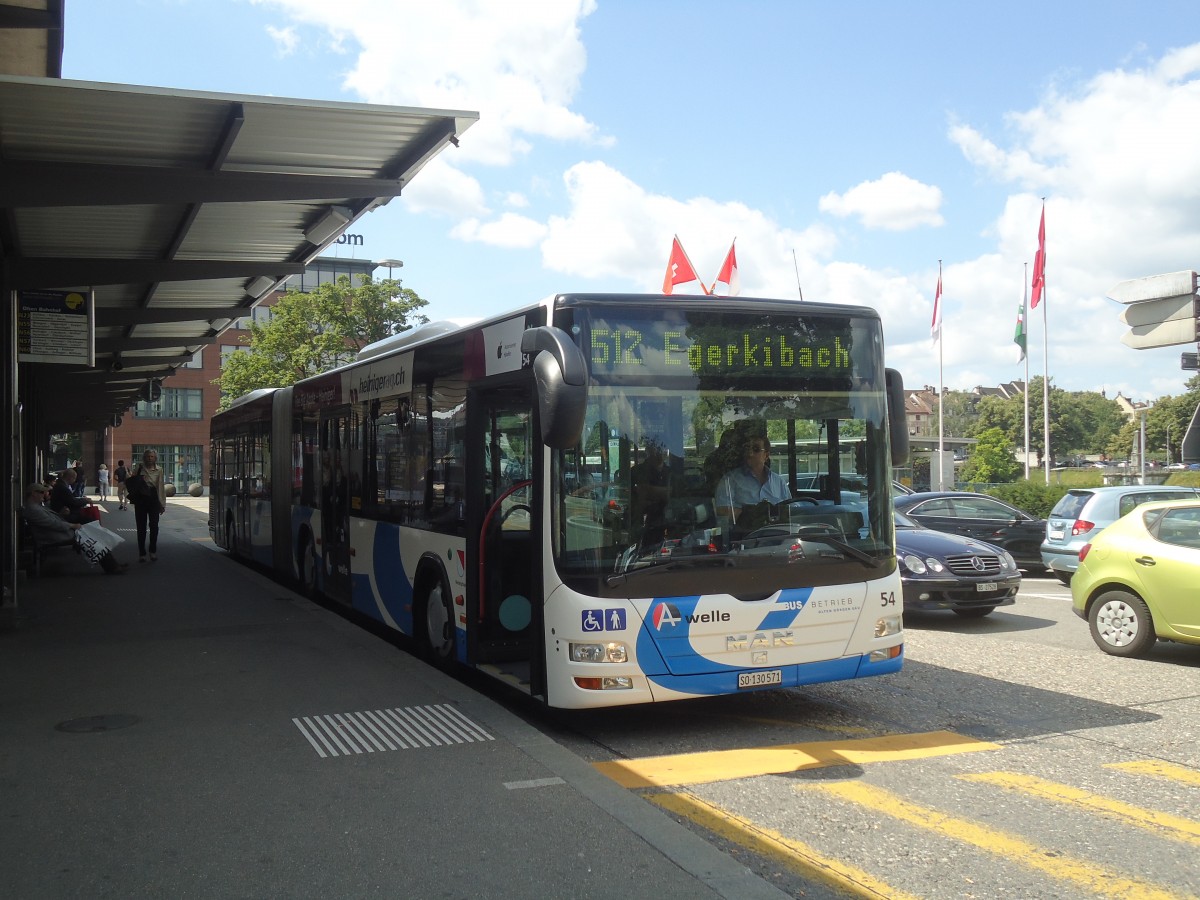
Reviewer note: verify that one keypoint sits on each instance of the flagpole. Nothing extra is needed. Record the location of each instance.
(1025, 354)
(941, 396)
(1045, 357)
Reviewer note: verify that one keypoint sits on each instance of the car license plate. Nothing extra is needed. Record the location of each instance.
(986, 586)
(759, 679)
(1056, 535)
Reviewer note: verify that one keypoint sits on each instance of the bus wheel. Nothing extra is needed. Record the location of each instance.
(437, 632)
(308, 568)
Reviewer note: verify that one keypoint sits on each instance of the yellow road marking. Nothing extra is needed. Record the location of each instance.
(1158, 769)
(792, 855)
(1175, 827)
(1096, 879)
(726, 765)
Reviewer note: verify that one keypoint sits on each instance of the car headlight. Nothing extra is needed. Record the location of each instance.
(1009, 562)
(919, 566)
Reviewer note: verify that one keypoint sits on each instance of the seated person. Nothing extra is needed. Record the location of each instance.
(739, 493)
(50, 529)
(63, 500)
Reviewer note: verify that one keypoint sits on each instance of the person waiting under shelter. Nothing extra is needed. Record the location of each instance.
(50, 529)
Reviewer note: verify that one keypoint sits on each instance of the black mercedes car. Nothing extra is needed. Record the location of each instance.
(947, 571)
(983, 518)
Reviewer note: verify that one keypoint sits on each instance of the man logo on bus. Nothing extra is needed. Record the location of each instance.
(666, 614)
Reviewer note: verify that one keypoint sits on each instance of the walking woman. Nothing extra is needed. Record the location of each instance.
(102, 481)
(149, 504)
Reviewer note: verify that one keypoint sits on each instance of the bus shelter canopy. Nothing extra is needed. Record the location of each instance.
(180, 210)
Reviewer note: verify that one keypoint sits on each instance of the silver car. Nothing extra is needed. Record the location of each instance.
(1083, 512)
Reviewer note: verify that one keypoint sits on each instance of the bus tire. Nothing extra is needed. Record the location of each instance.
(436, 631)
(306, 561)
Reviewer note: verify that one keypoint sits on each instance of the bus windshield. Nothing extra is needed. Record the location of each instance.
(725, 452)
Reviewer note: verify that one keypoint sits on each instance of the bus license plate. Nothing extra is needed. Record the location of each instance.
(759, 679)
(986, 586)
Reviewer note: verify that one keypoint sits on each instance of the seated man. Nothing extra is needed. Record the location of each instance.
(64, 501)
(739, 493)
(50, 529)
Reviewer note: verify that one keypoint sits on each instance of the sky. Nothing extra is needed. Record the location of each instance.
(850, 149)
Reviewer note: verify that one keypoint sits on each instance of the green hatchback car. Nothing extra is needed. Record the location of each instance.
(1139, 579)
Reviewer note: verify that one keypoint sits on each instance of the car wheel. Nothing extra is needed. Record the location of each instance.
(975, 612)
(1121, 624)
(1064, 577)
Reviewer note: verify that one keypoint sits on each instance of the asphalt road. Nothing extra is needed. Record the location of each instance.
(1009, 758)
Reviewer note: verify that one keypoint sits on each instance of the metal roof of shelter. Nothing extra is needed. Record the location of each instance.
(180, 209)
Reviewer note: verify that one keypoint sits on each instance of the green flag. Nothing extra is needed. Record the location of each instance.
(1019, 336)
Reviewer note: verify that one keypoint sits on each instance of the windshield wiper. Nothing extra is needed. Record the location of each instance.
(822, 537)
(667, 565)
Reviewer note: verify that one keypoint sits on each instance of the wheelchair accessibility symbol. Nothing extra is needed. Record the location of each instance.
(604, 620)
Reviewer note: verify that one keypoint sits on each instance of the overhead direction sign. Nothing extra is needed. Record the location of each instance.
(1165, 309)
(1161, 310)
(1161, 334)
(1154, 287)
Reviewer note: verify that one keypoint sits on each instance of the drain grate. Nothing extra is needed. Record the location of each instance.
(93, 724)
(380, 730)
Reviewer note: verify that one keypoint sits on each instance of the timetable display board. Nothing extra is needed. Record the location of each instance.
(56, 327)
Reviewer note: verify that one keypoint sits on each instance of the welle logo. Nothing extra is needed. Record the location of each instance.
(668, 615)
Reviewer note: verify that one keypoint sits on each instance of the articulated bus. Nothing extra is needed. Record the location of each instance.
(535, 496)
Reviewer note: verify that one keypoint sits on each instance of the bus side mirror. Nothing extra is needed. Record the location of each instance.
(897, 421)
(560, 372)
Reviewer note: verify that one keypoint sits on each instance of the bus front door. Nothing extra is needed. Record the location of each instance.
(334, 501)
(503, 534)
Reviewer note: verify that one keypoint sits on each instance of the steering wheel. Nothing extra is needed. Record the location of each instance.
(512, 509)
(807, 500)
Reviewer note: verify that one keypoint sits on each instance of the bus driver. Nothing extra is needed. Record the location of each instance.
(750, 483)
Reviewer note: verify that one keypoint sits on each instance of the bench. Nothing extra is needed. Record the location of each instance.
(32, 551)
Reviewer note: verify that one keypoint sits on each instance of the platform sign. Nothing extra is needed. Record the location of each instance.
(56, 327)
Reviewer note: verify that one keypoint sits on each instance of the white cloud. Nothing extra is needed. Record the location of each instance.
(440, 188)
(518, 64)
(285, 40)
(616, 230)
(510, 230)
(894, 202)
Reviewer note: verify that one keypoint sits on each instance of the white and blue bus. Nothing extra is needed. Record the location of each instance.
(535, 496)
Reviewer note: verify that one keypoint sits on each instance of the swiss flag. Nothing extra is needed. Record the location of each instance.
(679, 268)
(729, 273)
(1039, 264)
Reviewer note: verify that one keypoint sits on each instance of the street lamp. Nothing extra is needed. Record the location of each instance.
(391, 264)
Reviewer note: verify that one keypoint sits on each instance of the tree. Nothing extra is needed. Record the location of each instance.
(310, 333)
(992, 460)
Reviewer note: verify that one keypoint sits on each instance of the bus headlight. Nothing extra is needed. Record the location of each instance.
(612, 652)
(886, 625)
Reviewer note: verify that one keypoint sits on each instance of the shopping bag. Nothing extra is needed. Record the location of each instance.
(95, 540)
(88, 513)
(136, 487)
